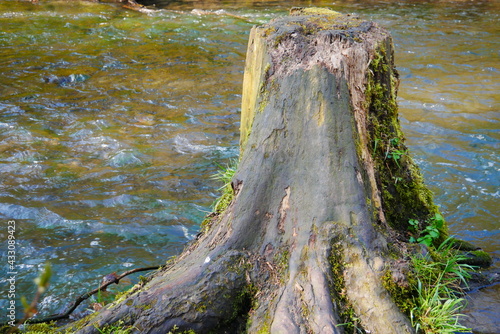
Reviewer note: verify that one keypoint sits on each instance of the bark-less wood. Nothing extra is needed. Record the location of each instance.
(319, 205)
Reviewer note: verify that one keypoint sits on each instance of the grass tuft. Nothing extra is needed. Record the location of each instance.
(225, 176)
(437, 302)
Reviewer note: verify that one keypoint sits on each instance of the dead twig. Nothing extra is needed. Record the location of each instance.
(85, 296)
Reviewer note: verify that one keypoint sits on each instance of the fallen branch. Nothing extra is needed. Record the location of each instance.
(108, 280)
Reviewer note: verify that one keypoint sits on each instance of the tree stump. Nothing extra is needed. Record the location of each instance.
(322, 196)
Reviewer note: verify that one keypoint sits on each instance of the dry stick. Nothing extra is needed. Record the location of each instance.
(80, 299)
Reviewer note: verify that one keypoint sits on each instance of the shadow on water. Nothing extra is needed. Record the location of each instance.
(112, 121)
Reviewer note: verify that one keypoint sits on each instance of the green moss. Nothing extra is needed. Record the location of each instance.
(404, 195)
(348, 318)
(208, 222)
(472, 255)
(145, 307)
(144, 279)
(120, 296)
(175, 330)
(201, 308)
(463, 245)
(264, 325)
(268, 30)
(6, 328)
(240, 266)
(264, 92)
(264, 329)
(77, 325)
(262, 104)
(41, 329)
(402, 294)
(477, 258)
(319, 19)
(281, 261)
(116, 328)
(314, 11)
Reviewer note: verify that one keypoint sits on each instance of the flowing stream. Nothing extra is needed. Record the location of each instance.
(112, 123)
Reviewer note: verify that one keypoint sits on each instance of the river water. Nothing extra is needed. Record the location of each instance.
(112, 122)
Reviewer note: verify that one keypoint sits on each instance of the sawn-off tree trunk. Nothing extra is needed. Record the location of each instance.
(322, 196)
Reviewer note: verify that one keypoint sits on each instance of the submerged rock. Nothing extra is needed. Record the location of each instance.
(482, 297)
